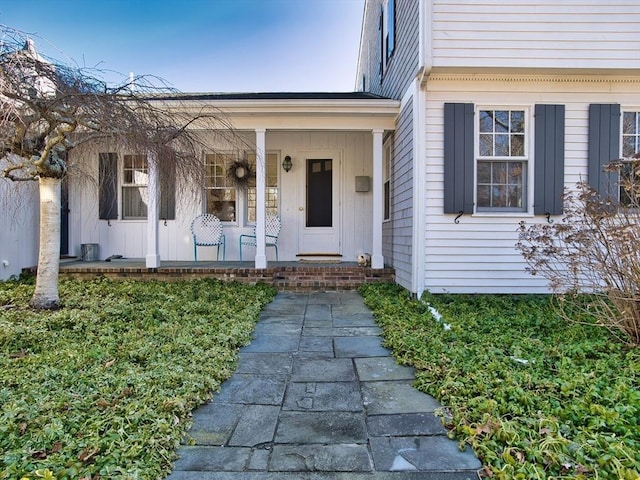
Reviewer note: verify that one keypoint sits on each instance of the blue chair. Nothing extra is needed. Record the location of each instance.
(272, 230)
(207, 232)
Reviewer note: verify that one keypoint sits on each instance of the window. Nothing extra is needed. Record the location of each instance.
(630, 134)
(501, 173)
(387, 29)
(390, 28)
(387, 180)
(221, 194)
(271, 186)
(134, 187)
(630, 146)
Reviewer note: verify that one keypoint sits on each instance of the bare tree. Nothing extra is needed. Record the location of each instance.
(48, 108)
(591, 258)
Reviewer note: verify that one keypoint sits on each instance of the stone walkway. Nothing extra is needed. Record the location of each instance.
(317, 397)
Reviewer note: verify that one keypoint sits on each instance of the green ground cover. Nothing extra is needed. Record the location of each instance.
(103, 388)
(535, 397)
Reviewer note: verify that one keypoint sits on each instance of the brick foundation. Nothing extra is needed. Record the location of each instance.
(300, 278)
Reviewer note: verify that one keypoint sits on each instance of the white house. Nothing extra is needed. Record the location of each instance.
(470, 118)
(503, 103)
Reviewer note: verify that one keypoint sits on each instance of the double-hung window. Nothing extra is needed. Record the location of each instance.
(129, 174)
(221, 194)
(630, 134)
(134, 187)
(271, 193)
(502, 161)
(630, 146)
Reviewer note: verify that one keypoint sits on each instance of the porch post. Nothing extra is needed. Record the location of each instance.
(261, 173)
(153, 193)
(377, 260)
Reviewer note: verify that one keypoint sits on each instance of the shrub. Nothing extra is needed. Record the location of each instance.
(594, 250)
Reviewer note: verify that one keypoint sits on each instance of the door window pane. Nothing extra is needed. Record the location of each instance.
(319, 193)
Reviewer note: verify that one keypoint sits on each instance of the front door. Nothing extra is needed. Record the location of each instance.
(320, 212)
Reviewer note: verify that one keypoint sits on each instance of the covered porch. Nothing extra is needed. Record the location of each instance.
(316, 161)
(329, 197)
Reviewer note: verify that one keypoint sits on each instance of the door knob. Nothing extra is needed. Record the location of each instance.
(300, 208)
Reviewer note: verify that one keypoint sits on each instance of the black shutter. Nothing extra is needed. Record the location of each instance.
(107, 186)
(168, 192)
(604, 146)
(458, 158)
(549, 159)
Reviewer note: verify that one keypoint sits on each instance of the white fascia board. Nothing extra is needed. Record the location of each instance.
(291, 105)
(364, 114)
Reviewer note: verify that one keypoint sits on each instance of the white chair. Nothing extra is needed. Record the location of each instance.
(272, 230)
(207, 232)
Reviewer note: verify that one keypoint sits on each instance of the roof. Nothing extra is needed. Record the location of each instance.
(271, 96)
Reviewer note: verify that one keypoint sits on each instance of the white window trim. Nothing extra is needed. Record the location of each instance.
(528, 159)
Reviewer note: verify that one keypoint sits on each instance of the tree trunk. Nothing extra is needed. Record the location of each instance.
(45, 295)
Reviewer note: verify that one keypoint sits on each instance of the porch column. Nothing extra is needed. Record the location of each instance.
(153, 194)
(377, 260)
(261, 181)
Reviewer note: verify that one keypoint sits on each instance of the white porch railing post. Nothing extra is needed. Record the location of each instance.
(153, 195)
(377, 260)
(261, 181)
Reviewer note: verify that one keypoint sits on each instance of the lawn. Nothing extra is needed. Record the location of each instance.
(536, 397)
(103, 388)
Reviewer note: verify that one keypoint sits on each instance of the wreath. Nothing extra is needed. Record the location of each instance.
(239, 173)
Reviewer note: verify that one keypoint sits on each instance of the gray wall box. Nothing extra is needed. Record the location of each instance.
(363, 184)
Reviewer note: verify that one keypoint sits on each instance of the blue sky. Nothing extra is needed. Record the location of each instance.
(202, 45)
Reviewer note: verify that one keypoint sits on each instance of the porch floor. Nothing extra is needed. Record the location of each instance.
(289, 276)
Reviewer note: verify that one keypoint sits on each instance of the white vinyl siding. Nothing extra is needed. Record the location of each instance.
(19, 235)
(398, 232)
(567, 34)
(478, 254)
